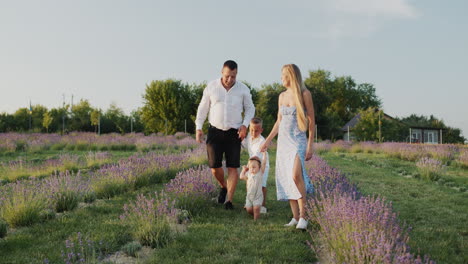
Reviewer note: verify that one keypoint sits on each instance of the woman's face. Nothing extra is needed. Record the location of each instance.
(285, 78)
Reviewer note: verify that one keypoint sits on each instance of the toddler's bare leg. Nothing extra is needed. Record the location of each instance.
(256, 212)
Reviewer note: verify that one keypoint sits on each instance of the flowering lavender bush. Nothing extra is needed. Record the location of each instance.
(354, 228)
(96, 159)
(340, 146)
(192, 188)
(462, 159)
(66, 190)
(322, 147)
(149, 219)
(81, 250)
(21, 203)
(430, 169)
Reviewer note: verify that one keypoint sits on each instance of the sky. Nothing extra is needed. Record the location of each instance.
(414, 52)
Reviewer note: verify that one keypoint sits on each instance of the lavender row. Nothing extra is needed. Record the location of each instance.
(20, 169)
(13, 142)
(354, 228)
(26, 202)
(153, 219)
(412, 152)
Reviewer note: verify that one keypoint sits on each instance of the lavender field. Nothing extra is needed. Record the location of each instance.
(82, 198)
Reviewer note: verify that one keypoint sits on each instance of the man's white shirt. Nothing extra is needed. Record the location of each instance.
(225, 107)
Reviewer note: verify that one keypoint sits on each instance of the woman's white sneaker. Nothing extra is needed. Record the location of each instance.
(292, 223)
(302, 224)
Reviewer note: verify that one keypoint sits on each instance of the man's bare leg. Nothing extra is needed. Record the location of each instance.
(218, 173)
(233, 177)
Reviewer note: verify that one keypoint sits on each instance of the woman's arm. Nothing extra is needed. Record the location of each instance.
(274, 130)
(309, 105)
(264, 161)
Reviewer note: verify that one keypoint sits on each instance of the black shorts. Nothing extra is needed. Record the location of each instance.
(219, 142)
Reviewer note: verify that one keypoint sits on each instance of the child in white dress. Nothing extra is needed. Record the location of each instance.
(253, 174)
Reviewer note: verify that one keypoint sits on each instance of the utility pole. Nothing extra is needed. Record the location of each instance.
(30, 116)
(131, 124)
(63, 115)
(380, 129)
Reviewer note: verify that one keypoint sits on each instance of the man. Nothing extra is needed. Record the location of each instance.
(225, 99)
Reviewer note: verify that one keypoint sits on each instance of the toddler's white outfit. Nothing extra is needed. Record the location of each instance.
(254, 189)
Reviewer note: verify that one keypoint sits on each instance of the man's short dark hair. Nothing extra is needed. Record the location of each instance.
(232, 65)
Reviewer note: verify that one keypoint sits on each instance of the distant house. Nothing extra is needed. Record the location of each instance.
(427, 135)
(349, 127)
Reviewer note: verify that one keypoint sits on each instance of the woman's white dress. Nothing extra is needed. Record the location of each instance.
(291, 142)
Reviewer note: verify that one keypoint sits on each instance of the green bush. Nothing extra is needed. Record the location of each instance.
(131, 248)
(66, 201)
(3, 228)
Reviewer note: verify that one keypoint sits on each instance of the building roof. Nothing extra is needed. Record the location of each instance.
(352, 123)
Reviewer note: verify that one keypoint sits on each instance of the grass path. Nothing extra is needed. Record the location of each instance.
(221, 236)
(214, 236)
(437, 214)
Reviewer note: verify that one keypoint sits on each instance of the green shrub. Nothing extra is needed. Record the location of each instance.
(3, 228)
(131, 248)
(66, 201)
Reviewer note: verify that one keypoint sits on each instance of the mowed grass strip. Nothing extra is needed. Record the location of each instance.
(437, 214)
(220, 236)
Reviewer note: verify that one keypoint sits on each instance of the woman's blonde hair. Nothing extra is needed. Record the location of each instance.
(298, 87)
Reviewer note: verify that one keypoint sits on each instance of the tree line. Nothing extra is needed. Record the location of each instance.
(170, 106)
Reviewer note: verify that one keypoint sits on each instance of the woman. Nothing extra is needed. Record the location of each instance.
(295, 116)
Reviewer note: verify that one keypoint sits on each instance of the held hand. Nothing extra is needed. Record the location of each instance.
(264, 146)
(245, 168)
(242, 132)
(309, 153)
(199, 136)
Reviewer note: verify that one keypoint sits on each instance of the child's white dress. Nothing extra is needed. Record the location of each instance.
(254, 189)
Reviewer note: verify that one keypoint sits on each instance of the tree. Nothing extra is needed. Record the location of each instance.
(266, 106)
(81, 116)
(337, 100)
(95, 116)
(166, 105)
(367, 128)
(115, 120)
(46, 121)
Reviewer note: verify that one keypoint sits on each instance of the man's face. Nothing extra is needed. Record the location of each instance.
(255, 130)
(228, 77)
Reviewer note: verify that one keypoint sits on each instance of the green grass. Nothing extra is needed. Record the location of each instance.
(220, 236)
(437, 213)
(215, 235)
